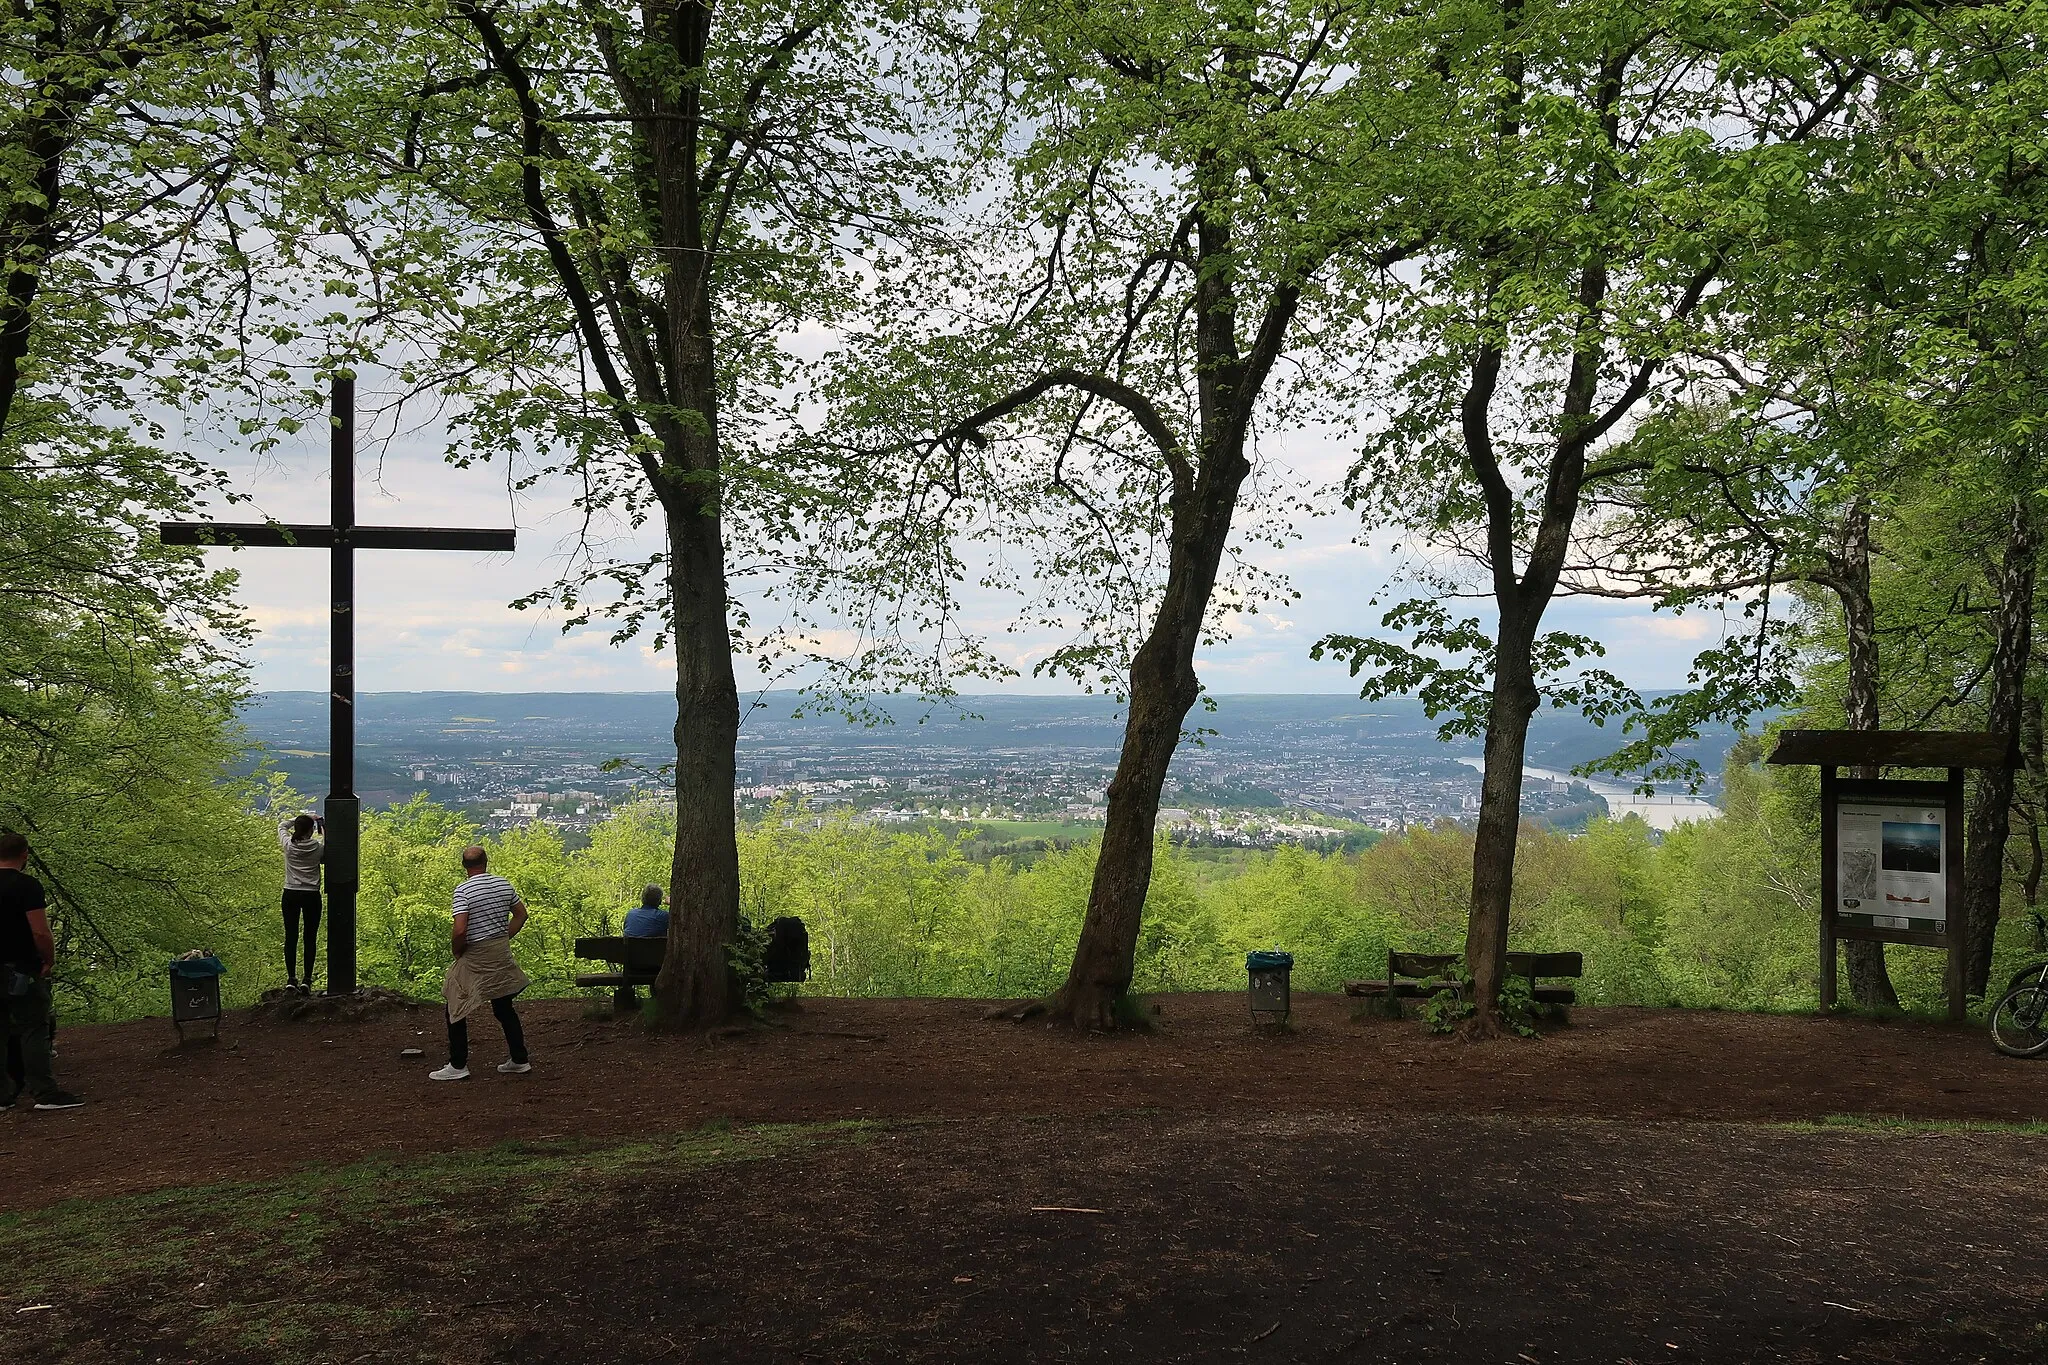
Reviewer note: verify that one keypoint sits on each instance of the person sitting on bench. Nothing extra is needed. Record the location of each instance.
(647, 919)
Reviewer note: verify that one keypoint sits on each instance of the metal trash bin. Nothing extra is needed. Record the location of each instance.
(1271, 989)
(195, 992)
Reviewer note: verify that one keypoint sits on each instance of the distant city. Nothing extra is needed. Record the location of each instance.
(1269, 769)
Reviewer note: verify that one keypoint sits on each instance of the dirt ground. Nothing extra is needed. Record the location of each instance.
(274, 1096)
(1633, 1188)
(1292, 1239)
(1132, 1238)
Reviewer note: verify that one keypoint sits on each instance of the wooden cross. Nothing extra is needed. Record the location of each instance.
(342, 538)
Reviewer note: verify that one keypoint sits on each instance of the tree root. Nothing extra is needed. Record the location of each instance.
(1482, 1026)
(1117, 1014)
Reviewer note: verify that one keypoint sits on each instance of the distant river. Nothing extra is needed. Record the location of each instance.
(1658, 812)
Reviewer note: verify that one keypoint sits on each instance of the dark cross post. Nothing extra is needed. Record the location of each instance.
(342, 538)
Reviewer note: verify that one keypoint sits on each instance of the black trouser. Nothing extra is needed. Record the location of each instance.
(508, 1019)
(300, 905)
(29, 1029)
(17, 1065)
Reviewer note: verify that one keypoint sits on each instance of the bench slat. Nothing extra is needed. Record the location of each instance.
(634, 954)
(1419, 964)
(1547, 964)
(616, 979)
(1406, 989)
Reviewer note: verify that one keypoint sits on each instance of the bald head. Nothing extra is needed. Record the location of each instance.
(474, 859)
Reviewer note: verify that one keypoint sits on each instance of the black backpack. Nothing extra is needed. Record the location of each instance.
(788, 957)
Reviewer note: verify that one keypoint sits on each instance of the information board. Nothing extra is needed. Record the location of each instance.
(1891, 849)
(1891, 869)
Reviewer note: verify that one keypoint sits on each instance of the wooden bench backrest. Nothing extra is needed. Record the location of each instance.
(1546, 964)
(645, 954)
(632, 954)
(1402, 965)
(1418, 964)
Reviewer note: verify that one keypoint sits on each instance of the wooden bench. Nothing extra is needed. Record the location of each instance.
(1536, 967)
(637, 962)
(1409, 976)
(1415, 975)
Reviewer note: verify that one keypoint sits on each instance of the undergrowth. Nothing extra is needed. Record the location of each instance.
(1520, 1011)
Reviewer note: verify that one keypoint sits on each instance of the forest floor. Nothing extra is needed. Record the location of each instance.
(908, 1180)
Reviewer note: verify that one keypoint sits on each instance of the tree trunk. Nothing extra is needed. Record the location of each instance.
(29, 223)
(695, 986)
(2030, 749)
(1163, 681)
(27, 240)
(1870, 982)
(1500, 820)
(664, 343)
(1163, 688)
(1989, 822)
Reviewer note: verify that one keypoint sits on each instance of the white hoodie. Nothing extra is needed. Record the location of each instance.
(301, 859)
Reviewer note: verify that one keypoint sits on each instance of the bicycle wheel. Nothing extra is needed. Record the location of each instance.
(2025, 976)
(2019, 1026)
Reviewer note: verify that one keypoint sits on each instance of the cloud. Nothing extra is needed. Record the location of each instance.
(443, 620)
(1693, 627)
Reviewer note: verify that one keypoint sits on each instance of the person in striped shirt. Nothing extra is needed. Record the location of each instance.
(488, 916)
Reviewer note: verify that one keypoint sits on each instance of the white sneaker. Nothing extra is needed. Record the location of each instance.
(515, 1068)
(450, 1072)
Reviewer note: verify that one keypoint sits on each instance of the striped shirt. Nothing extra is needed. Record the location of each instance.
(488, 900)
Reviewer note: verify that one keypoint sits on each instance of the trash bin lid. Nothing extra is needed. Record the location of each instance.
(198, 966)
(1263, 961)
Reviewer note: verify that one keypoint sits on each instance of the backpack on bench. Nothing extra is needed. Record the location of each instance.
(788, 957)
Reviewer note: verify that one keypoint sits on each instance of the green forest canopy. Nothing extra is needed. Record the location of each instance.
(1717, 914)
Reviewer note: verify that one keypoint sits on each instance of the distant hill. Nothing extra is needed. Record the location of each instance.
(594, 726)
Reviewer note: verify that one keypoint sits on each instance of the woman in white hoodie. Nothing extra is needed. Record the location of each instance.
(303, 840)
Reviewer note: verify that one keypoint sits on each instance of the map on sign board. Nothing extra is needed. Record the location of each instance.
(1890, 869)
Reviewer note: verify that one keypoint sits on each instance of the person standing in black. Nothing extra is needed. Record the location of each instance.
(27, 956)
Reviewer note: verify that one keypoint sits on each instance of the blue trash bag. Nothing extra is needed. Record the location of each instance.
(1260, 960)
(198, 966)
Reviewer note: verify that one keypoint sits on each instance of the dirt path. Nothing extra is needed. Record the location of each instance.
(272, 1097)
(1154, 1238)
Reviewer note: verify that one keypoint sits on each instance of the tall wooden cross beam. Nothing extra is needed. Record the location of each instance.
(341, 538)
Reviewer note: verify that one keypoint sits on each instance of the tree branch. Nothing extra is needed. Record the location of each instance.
(1130, 400)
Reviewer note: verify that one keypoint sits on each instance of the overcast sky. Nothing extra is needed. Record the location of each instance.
(441, 621)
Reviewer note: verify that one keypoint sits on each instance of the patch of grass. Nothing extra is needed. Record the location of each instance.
(243, 1255)
(1934, 1016)
(1899, 1123)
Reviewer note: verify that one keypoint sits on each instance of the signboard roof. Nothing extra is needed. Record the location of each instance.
(1897, 749)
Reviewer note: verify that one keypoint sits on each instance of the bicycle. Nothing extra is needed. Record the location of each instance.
(2019, 1023)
